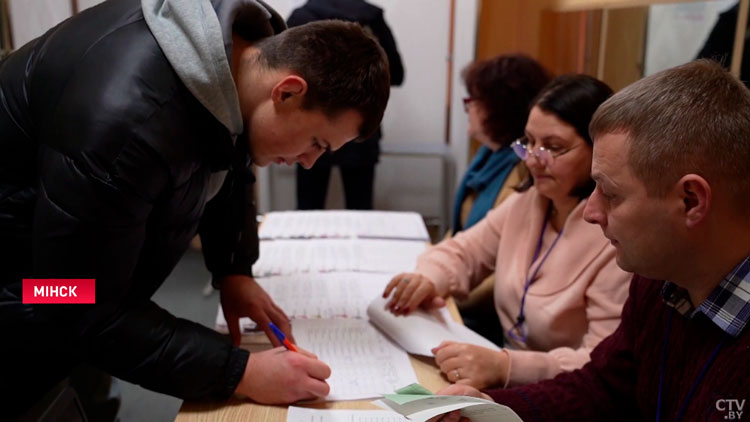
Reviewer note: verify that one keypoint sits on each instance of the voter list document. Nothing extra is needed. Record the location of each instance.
(343, 224)
(317, 296)
(364, 363)
(301, 414)
(282, 257)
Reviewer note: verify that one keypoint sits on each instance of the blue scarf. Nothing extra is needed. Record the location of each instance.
(486, 175)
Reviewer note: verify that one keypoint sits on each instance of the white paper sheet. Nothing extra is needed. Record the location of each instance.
(314, 296)
(343, 224)
(420, 331)
(281, 257)
(301, 414)
(364, 363)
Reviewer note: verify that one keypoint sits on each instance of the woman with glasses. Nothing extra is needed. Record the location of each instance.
(558, 290)
(500, 93)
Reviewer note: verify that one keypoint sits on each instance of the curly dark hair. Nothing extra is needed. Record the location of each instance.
(505, 86)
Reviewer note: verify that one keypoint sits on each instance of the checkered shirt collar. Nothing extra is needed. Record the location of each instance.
(728, 305)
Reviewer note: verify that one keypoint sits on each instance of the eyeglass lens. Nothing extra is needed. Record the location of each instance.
(522, 150)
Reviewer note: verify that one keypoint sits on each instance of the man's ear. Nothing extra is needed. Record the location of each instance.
(290, 87)
(695, 193)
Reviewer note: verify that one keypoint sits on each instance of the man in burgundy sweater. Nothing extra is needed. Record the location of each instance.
(671, 155)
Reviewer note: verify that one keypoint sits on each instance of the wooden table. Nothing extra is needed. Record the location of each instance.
(238, 409)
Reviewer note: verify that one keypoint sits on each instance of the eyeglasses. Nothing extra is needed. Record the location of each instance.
(546, 157)
(467, 101)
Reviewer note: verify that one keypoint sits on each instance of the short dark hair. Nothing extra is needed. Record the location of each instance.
(693, 118)
(573, 98)
(344, 67)
(505, 85)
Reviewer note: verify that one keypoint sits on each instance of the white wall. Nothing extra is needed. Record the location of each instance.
(31, 18)
(676, 32)
(85, 4)
(464, 52)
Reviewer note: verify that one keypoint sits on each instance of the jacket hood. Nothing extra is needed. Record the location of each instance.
(196, 38)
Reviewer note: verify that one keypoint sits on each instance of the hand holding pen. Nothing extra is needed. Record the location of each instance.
(276, 377)
(282, 338)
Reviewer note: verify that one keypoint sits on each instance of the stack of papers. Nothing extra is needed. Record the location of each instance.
(281, 257)
(343, 224)
(364, 363)
(323, 268)
(316, 296)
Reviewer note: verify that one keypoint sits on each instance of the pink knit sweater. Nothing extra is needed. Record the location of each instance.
(575, 301)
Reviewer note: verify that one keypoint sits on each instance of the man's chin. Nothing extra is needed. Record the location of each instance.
(623, 263)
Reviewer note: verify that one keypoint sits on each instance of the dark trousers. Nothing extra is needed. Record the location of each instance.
(312, 185)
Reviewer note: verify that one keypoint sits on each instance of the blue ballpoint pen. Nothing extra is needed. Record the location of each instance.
(282, 338)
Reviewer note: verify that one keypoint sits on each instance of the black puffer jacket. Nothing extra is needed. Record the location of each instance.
(105, 162)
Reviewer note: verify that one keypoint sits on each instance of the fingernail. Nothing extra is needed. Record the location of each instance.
(406, 310)
(396, 308)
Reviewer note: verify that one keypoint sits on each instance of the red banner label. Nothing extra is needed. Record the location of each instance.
(59, 290)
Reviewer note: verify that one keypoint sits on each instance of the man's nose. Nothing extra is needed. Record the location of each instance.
(592, 212)
(309, 158)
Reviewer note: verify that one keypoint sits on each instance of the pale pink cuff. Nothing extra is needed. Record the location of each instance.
(510, 362)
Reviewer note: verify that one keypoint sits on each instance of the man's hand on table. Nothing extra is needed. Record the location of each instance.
(242, 296)
(279, 376)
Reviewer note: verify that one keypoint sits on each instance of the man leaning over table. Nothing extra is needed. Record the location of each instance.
(127, 129)
(671, 155)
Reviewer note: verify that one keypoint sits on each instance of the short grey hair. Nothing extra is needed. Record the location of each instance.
(693, 118)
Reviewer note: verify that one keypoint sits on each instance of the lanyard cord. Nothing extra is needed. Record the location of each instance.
(529, 280)
(698, 380)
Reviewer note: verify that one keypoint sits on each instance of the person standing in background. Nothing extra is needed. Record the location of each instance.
(356, 160)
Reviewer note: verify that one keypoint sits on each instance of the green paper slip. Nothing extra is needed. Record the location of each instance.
(404, 398)
(414, 389)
